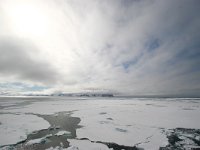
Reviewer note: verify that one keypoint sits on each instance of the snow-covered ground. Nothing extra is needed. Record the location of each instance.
(125, 121)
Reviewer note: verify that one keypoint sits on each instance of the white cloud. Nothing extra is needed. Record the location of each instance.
(132, 47)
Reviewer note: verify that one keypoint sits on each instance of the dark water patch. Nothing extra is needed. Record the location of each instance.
(173, 138)
(183, 139)
(46, 138)
(191, 101)
(188, 109)
(156, 105)
(121, 130)
(114, 146)
(103, 113)
(109, 118)
(149, 104)
(2, 113)
(129, 125)
(44, 144)
(63, 121)
(130, 104)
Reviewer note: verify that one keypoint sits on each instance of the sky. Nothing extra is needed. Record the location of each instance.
(127, 47)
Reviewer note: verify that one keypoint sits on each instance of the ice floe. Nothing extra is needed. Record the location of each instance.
(132, 121)
(15, 128)
(63, 133)
(87, 145)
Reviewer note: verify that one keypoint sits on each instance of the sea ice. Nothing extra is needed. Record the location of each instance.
(36, 141)
(62, 133)
(87, 145)
(143, 119)
(15, 128)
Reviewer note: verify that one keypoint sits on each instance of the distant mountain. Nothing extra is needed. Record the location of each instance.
(84, 94)
(75, 94)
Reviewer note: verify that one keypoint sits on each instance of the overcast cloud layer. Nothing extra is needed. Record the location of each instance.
(132, 47)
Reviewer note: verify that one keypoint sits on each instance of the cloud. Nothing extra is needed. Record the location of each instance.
(132, 47)
(18, 59)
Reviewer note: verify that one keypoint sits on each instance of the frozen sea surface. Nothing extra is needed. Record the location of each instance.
(141, 122)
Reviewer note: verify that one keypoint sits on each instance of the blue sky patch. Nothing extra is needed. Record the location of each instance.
(22, 87)
(152, 45)
(131, 62)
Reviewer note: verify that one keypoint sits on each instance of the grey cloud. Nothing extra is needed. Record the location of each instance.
(133, 46)
(19, 59)
(155, 66)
